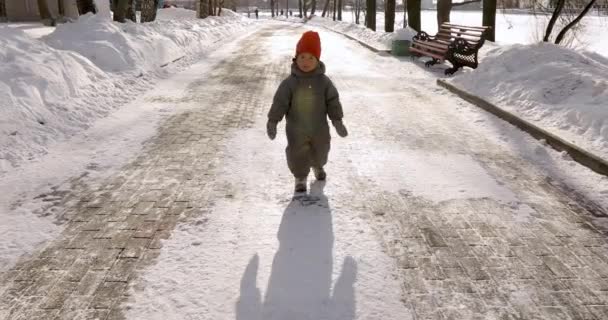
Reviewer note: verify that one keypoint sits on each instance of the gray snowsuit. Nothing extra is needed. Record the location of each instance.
(306, 100)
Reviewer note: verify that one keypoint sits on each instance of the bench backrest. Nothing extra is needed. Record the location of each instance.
(474, 35)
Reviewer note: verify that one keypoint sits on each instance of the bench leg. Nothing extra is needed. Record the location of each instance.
(453, 69)
(431, 63)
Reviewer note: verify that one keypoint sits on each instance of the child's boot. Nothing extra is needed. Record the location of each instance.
(319, 173)
(301, 184)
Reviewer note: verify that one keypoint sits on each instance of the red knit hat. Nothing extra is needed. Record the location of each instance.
(311, 43)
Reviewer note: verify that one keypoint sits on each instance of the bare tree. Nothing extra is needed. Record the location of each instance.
(300, 8)
(148, 10)
(202, 9)
(358, 7)
(272, 8)
(60, 9)
(120, 9)
(566, 14)
(413, 14)
(370, 16)
(45, 13)
(313, 7)
(305, 8)
(334, 12)
(324, 8)
(489, 18)
(444, 7)
(3, 15)
(559, 6)
(340, 10)
(576, 20)
(131, 15)
(389, 15)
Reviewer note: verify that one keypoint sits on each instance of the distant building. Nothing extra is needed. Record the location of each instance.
(27, 10)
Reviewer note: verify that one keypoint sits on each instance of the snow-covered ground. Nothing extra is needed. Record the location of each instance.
(563, 90)
(255, 254)
(67, 105)
(58, 85)
(68, 110)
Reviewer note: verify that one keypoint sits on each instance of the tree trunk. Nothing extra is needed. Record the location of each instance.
(300, 8)
(131, 11)
(333, 14)
(325, 7)
(148, 10)
(443, 11)
(404, 14)
(558, 9)
(357, 11)
(60, 8)
(561, 34)
(314, 7)
(272, 8)
(389, 15)
(413, 14)
(305, 8)
(203, 9)
(489, 18)
(370, 17)
(3, 15)
(339, 10)
(86, 6)
(45, 13)
(120, 9)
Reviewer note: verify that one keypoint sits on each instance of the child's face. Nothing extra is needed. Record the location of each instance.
(306, 62)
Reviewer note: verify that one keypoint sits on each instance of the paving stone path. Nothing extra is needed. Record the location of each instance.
(460, 259)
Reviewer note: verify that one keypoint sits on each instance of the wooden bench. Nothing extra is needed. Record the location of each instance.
(455, 43)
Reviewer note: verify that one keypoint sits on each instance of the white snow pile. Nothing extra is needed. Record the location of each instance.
(56, 86)
(559, 89)
(404, 34)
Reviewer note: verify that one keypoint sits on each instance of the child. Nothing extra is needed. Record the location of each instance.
(306, 98)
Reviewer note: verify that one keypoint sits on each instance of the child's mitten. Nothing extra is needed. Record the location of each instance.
(271, 129)
(340, 128)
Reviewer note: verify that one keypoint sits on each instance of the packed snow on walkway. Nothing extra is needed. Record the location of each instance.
(64, 100)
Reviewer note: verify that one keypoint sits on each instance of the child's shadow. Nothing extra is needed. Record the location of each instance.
(301, 278)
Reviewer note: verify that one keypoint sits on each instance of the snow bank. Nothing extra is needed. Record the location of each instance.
(56, 86)
(558, 89)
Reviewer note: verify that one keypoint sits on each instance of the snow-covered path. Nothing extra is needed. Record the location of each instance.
(432, 210)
